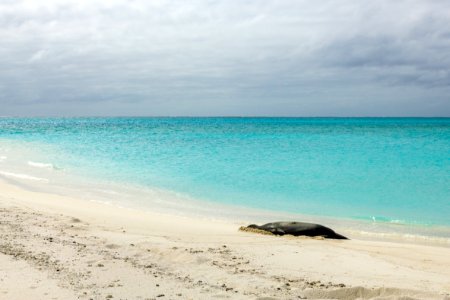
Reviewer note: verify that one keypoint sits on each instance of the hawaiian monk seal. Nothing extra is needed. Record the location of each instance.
(299, 228)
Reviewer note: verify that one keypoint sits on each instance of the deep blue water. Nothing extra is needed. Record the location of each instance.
(387, 168)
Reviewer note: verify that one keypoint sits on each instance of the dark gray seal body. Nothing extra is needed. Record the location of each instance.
(299, 228)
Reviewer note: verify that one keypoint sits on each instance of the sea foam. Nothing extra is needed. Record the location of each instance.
(42, 165)
(23, 176)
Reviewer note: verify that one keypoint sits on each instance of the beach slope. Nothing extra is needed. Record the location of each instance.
(56, 247)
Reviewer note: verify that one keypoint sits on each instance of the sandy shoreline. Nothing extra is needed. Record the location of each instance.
(64, 248)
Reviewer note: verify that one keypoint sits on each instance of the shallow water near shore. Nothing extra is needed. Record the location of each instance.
(379, 176)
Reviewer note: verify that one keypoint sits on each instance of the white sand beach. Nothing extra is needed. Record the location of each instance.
(56, 247)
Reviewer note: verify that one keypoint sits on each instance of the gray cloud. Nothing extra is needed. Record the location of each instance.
(225, 57)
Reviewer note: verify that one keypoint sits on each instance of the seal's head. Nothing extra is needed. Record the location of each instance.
(253, 226)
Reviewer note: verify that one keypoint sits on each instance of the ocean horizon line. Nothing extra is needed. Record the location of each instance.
(229, 117)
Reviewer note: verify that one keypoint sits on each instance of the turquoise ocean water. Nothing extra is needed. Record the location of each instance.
(375, 169)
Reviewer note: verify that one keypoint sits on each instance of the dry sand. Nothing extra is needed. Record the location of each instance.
(55, 247)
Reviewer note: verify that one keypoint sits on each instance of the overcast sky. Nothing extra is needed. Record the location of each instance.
(230, 57)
